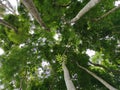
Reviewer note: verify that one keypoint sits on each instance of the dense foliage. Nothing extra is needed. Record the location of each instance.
(26, 51)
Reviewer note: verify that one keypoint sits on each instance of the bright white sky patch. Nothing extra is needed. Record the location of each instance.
(45, 63)
(21, 45)
(14, 4)
(1, 86)
(117, 3)
(90, 53)
(1, 51)
(57, 36)
(80, 1)
(31, 32)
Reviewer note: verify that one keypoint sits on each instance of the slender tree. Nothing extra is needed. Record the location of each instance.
(85, 9)
(68, 81)
(107, 85)
(32, 9)
(30, 61)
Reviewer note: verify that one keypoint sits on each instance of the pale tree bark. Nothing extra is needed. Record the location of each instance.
(7, 6)
(68, 81)
(109, 12)
(6, 24)
(85, 9)
(34, 12)
(107, 85)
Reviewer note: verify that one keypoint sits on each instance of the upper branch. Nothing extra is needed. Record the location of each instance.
(33, 10)
(7, 6)
(89, 5)
(109, 12)
(3, 22)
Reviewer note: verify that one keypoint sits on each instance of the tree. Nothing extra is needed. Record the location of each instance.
(43, 42)
(89, 5)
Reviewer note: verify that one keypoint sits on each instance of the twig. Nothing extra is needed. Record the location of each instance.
(61, 5)
(109, 12)
(5, 23)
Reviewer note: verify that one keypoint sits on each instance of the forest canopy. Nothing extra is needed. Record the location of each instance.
(44, 45)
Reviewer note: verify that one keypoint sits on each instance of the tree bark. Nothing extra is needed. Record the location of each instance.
(109, 12)
(107, 85)
(68, 81)
(3, 22)
(8, 7)
(89, 5)
(33, 10)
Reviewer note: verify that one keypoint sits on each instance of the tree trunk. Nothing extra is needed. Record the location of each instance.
(68, 81)
(33, 10)
(107, 85)
(89, 5)
(3, 22)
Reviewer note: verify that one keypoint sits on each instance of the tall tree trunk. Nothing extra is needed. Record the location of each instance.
(3, 22)
(33, 10)
(107, 85)
(68, 81)
(109, 12)
(89, 5)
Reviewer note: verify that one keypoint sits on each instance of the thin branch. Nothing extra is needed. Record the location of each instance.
(85, 9)
(33, 10)
(109, 70)
(109, 12)
(4, 6)
(62, 5)
(9, 4)
(5, 23)
(107, 85)
(99, 65)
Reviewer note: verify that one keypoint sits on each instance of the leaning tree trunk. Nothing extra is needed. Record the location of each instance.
(107, 85)
(89, 5)
(33, 10)
(5, 23)
(68, 81)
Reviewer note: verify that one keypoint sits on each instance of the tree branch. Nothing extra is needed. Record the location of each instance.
(33, 10)
(107, 85)
(85, 9)
(109, 12)
(109, 70)
(62, 5)
(3, 22)
(4, 6)
(99, 65)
